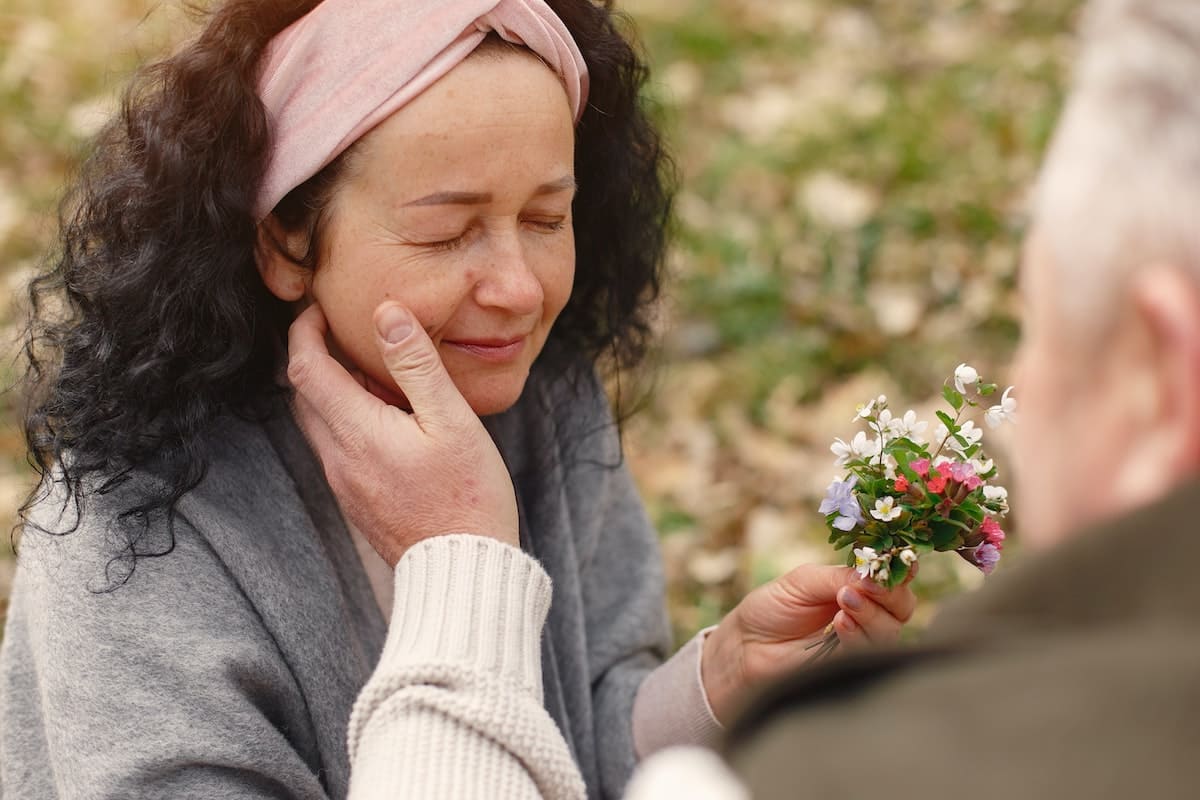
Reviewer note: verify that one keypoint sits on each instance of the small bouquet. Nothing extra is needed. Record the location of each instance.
(904, 496)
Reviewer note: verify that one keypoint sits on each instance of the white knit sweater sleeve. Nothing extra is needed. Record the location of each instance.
(454, 709)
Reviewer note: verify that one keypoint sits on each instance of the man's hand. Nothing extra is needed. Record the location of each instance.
(766, 636)
(400, 477)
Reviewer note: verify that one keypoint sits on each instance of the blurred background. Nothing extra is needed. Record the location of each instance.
(853, 186)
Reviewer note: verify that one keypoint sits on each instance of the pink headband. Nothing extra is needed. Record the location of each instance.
(348, 65)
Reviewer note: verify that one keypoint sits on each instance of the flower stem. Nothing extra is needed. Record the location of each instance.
(826, 644)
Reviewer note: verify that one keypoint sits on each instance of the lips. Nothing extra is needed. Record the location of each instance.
(496, 351)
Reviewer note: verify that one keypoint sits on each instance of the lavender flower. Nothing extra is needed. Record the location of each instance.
(840, 497)
(986, 557)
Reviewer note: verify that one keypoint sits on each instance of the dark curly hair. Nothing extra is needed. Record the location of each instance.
(151, 319)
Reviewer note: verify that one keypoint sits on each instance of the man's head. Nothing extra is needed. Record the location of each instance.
(1110, 363)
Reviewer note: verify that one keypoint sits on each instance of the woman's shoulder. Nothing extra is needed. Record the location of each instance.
(102, 526)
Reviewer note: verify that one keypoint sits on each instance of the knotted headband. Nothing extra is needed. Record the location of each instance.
(348, 65)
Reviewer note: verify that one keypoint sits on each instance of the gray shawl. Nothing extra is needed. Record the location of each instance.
(228, 667)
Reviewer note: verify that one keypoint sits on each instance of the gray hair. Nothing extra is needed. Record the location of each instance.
(1120, 188)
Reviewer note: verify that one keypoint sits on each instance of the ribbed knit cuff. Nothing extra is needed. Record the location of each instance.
(672, 708)
(473, 601)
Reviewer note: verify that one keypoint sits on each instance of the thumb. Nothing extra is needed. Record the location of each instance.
(814, 585)
(413, 362)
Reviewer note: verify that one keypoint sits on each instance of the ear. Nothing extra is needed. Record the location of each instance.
(285, 279)
(1166, 409)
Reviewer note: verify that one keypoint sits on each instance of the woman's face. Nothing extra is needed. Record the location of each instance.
(458, 207)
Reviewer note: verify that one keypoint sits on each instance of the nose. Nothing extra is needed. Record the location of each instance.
(508, 281)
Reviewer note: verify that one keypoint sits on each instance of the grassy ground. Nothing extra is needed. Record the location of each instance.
(853, 175)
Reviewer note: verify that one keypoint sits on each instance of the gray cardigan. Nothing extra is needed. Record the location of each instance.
(228, 668)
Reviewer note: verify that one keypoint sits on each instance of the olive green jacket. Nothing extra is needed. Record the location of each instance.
(1074, 674)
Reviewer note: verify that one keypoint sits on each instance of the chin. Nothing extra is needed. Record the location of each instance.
(488, 405)
(488, 397)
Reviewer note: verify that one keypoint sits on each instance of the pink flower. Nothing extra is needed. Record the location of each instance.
(921, 467)
(992, 532)
(959, 471)
(936, 485)
(964, 473)
(901, 483)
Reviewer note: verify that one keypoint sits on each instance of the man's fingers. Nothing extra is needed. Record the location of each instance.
(330, 391)
(814, 585)
(307, 332)
(872, 620)
(415, 366)
(899, 602)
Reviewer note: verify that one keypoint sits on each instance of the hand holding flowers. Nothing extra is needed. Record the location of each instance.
(903, 497)
(767, 635)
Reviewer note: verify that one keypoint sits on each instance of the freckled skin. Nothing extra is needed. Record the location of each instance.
(495, 271)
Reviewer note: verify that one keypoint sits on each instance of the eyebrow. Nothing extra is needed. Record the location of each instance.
(563, 184)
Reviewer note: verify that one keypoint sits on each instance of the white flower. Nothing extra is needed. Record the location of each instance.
(998, 496)
(886, 509)
(881, 400)
(870, 564)
(883, 427)
(968, 432)
(937, 462)
(982, 467)
(965, 376)
(906, 427)
(972, 434)
(865, 561)
(865, 412)
(1005, 411)
(889, 464)
(908, 556)
(858, 447)
(995, 493)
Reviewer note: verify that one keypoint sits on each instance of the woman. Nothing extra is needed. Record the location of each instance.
(201, 597)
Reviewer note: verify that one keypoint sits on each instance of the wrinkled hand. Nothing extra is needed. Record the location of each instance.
(400, 477)
(766, 635)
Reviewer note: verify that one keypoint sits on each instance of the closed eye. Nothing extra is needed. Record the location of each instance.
(447, 244)
(548, 225)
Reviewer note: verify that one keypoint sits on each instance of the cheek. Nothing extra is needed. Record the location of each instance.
(558, 277)
(349, 298)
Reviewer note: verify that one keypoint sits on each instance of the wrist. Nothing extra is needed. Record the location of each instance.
(721, 667)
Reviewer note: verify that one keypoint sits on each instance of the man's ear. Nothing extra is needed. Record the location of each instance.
(1166, 301)
(285, 279)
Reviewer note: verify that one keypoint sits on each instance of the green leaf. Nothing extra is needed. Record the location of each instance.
(972, 510)
(987, 389)
(850, 559)
(953, 397)
(948, 421)
(897, 572)
(905, 446)
(844, 540)
(946, 537)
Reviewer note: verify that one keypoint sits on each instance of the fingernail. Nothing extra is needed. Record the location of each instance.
(394, 324)
(852, 599)
(870, 586)
(848, 623)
